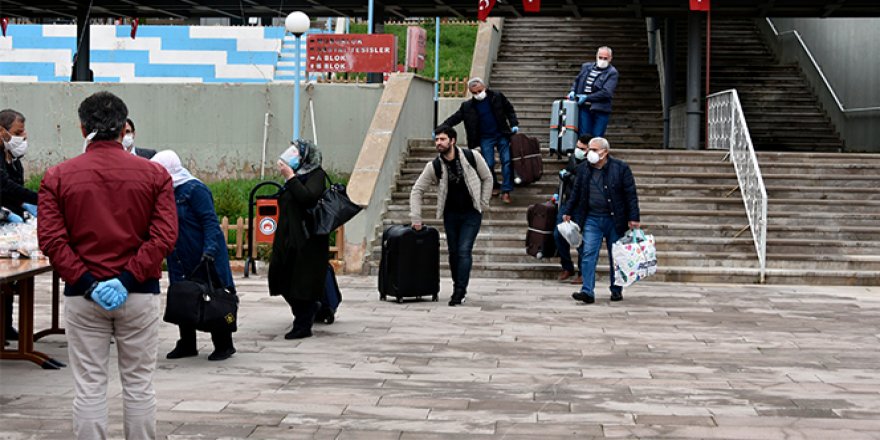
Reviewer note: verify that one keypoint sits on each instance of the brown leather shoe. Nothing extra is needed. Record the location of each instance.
(564, 276)
(505, 197)
(495, 192)
(577, 280)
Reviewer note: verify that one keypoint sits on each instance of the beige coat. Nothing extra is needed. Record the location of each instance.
(478, 181)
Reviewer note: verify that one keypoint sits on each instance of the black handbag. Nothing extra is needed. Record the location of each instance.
(197, 303)
(333, 210)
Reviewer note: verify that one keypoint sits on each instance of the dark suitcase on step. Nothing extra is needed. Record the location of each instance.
(542, 223)
(332, 297)
(563, 127)
(410, 265)
(525, 154)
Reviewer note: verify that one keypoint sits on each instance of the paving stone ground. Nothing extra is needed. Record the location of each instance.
(520, 360)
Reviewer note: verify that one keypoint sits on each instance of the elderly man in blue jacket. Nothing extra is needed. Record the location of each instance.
(604, 203)
(593, 89)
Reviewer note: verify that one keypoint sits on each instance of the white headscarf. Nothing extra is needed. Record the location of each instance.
(171, 162)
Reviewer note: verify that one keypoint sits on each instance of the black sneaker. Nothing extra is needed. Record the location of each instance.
(221, 355)
(181, 352)
(11, 334)
(456, 300)
(298, 334)
(616, 296)
(581, 296)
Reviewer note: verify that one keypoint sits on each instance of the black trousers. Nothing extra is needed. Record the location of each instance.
(303, 313)
(222, 339)
(8, 312)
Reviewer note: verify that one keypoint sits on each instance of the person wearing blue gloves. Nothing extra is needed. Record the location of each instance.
(107, 220)
(489, 122)
(14, 196)
(200, 251)
(593, 89)
(567, 177)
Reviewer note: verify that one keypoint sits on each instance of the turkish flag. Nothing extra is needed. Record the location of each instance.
(700, 5)
(134, 28)
(3, 23)
(484, 9)
(532, 5)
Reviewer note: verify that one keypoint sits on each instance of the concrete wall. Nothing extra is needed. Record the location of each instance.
(406, 111)
(844, 50)
(217, 129)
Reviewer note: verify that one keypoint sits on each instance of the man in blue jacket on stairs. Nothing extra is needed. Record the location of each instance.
(593, 89)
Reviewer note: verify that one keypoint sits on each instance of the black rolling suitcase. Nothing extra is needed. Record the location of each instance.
(542, 223)
(410, 265)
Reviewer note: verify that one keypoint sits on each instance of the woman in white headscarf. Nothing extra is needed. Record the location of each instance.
(200, 243)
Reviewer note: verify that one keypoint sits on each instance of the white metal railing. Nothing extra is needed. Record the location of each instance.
(728, 130)
(821, 73)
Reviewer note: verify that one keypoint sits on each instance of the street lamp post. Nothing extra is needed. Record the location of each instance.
(297, 23)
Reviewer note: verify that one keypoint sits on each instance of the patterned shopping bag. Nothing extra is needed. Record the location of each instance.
(635, 257)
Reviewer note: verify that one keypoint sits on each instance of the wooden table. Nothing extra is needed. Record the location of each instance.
(17, 278)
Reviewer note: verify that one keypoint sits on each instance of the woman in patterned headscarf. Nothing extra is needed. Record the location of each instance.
(299, 262)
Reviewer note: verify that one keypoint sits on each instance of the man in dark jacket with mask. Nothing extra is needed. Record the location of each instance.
(489, 121)
(604, 203)
(567, 177)
(593, 89)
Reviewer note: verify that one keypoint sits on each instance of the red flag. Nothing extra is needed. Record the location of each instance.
(484, 9)
(134, 27)
(532, 5)
(3, 23)
(700, 5)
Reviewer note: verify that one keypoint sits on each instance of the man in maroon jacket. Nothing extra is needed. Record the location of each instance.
(107, 219)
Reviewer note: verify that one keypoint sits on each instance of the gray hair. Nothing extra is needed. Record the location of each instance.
(475, 80)
(610, 52)
(601, 142)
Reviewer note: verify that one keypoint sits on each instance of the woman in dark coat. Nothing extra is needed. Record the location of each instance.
(200, 251)
(298, 268)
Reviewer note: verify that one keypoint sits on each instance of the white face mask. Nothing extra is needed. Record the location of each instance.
(579, 154)
(16, 146)
(128, 142)
(89, 139)
(593, 157)
(602, 64)
(480, 96)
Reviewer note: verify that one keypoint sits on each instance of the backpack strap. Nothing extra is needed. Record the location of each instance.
(468, 154)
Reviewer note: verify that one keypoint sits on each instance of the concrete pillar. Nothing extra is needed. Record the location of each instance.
(694, 73)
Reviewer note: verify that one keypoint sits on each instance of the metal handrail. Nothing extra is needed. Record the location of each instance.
(819, 69)
(728, 130)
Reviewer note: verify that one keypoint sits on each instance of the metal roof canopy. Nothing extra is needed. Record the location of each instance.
(462, 9)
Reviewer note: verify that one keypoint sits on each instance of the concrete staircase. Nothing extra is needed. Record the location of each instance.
(782, 111)
(539, 58)
(822, 229)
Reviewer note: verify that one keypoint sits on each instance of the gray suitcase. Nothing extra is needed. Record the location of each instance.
(563, 127)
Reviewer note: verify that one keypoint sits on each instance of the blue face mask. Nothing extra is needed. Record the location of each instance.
(294, 163)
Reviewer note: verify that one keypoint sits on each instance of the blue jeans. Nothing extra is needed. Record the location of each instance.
(592, 123)
(565, 249)
(461, 232)
(487, 147)
(595, 229)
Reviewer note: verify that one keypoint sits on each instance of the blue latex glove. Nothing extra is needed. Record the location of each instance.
(571, 96)
(14, 218)
(110, 294)
(32, 209)
(582, 99)
(563, 173)
(514, 129)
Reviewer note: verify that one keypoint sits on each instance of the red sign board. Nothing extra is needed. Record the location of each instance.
(700, 5)
(352, 53)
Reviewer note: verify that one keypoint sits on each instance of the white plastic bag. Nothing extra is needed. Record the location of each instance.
(571, 232)
(635, 258)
